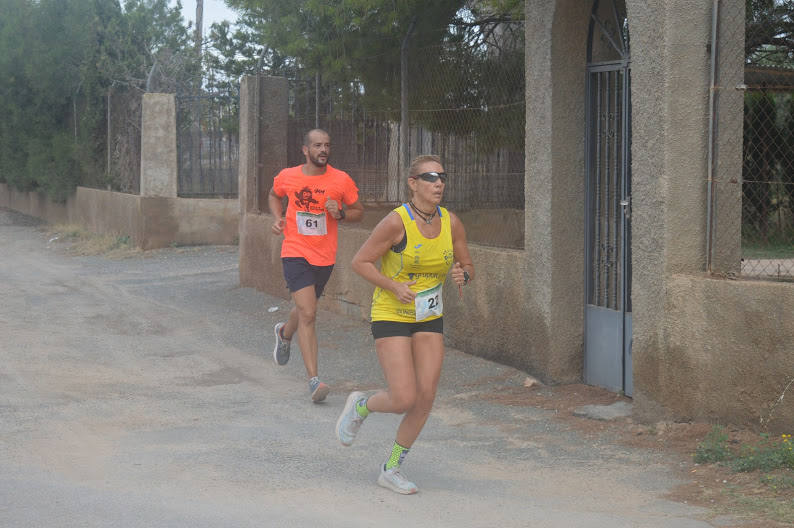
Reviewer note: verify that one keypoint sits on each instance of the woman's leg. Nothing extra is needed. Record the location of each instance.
(396, 361)
(428, 357)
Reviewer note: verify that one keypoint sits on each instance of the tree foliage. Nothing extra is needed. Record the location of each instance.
(462, 54)
(769, 32)
(58, 59)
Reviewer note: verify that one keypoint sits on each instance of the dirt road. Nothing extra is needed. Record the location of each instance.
(140, 393)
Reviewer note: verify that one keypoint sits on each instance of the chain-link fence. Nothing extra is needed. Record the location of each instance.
(751, 185)
(123, 140)
(466, 106)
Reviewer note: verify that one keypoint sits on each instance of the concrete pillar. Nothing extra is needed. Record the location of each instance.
(263, 138)
(554, 182)
(728, 125)
(670, 111)
(263, 152)
(158, 146)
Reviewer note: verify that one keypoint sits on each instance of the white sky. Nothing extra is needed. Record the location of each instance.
(214, 11)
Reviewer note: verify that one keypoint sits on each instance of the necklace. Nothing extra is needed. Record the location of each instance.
(427, 217)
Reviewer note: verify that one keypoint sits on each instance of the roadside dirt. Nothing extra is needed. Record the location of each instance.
(712, 486)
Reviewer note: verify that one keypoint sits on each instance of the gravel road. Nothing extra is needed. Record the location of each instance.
(141, 392)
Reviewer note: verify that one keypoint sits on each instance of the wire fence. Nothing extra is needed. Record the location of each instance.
(752, 190)
(466, 107)
(123, 140)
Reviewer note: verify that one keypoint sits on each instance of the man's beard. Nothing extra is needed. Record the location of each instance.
(316, 161)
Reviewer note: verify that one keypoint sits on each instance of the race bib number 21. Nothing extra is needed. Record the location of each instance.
(429, 303)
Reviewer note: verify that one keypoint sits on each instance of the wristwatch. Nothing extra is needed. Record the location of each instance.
(465, 277)
(341, 214)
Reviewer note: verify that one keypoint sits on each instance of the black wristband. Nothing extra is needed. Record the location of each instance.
(466, 277)
(341, 214)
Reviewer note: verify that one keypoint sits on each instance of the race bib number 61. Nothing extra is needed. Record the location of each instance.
(311, 224)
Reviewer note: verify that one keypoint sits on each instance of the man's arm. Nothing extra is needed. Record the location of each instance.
(352, 213)
(276, 209)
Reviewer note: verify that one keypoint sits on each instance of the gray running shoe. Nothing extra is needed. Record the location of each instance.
(394, 480)
(349, 421)
(318, 390)
(281, 350)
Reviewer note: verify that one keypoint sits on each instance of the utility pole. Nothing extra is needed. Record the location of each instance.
(195, 129)
(404, 119)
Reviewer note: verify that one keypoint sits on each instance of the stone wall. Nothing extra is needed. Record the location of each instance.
(150, 222)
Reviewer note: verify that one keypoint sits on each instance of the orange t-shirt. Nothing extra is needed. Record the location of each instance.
(316, 239)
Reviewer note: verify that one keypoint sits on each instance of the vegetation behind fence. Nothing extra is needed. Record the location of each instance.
(759, 36)
(466, 107)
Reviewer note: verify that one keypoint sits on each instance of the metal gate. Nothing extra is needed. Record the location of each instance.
(608, 215)
(207, 145)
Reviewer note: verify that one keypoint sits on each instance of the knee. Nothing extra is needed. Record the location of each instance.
(307, 316)
(424, 400)
(403, 401)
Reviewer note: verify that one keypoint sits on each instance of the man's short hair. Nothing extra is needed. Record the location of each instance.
(307, 141)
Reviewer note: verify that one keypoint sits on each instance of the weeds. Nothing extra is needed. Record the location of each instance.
(713, 448)
(85, 243)
(768, 455)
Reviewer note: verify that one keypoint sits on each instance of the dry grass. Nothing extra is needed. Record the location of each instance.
(80, 242)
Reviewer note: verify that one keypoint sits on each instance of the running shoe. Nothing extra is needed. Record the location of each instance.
(394, 480)
(281, 350)
(318, 390)
(349, 421)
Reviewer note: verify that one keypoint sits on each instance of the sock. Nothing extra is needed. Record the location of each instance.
(398, 453)
(313, 382)
(361, 407)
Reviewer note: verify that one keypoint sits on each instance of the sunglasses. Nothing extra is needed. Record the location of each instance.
(432, 177)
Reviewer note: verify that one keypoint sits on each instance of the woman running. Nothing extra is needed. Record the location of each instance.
(417, 244)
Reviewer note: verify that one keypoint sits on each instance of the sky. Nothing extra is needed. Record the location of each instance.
(214, 11)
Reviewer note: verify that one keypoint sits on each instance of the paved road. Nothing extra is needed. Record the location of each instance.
(140, 393)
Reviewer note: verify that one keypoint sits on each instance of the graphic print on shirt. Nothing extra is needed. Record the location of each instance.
(305, 199)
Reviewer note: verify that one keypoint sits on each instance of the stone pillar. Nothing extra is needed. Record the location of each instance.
(728, 139)
(263, 152)
(263, 138)
(158, 146)
(554, 182)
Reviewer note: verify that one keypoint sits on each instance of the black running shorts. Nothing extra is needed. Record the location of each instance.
(299, 273)
(394, 329)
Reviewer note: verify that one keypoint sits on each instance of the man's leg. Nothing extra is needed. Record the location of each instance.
(291, 325)
(303, 317)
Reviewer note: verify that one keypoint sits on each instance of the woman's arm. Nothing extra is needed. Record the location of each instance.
(389, 232)
(460, 248)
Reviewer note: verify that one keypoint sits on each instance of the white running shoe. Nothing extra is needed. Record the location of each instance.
(394, 480)
(349, 421)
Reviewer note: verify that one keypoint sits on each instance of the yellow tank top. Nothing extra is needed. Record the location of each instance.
(425, 260)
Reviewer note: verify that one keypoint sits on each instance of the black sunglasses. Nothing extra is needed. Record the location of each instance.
(433, 176)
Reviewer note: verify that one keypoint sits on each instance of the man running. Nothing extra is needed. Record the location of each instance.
(316, 193)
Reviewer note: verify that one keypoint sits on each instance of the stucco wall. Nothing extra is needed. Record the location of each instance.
(150, 222)
(728, 354)
(35, 204)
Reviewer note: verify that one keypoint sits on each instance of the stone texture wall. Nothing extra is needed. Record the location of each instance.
(158, 145)
(727, 354)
